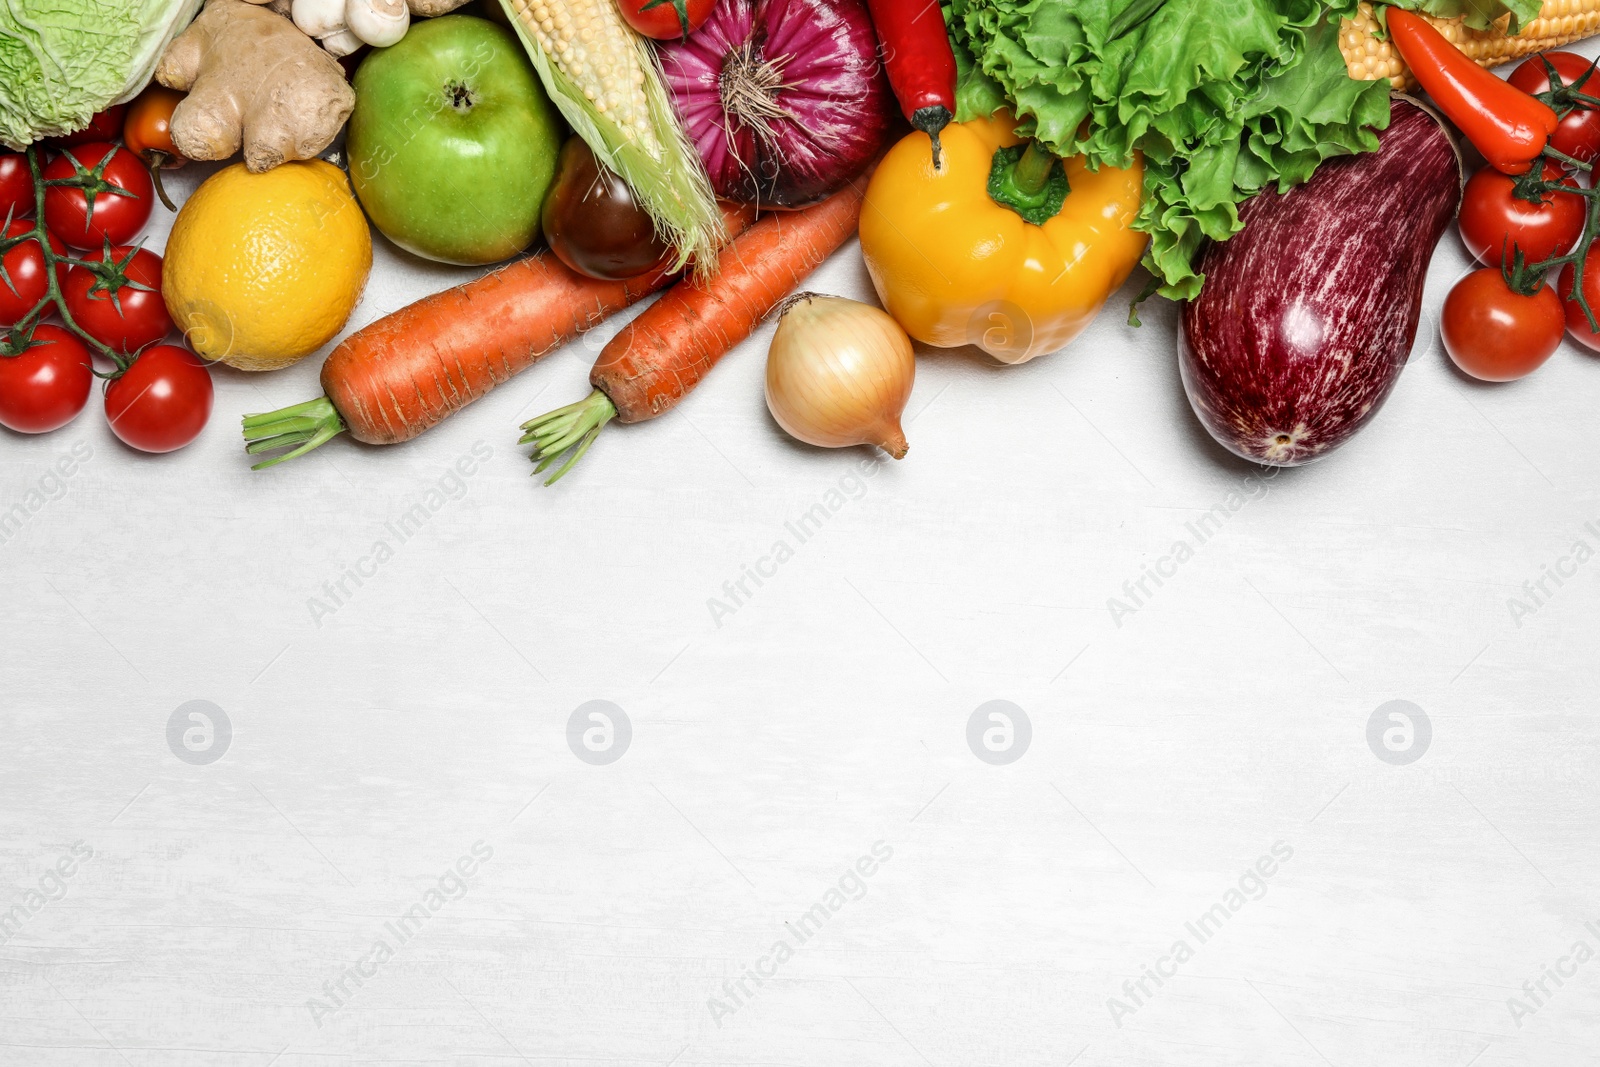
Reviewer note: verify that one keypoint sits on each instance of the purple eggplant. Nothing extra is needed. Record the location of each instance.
(1309, 313)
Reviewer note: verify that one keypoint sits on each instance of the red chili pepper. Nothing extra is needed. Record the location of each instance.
(921, 67)
(1507, 125)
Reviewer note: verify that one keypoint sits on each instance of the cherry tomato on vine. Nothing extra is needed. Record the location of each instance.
(147, 133)
(666, 20)
(1577, 321)
(1579, 133)
(22, 282)
(115, 216)
(16, 186)
(148, 125)
(162, 401)
(1494, 219)
(45, 387)
(124, 317)
(1496, 334)
(105, 126)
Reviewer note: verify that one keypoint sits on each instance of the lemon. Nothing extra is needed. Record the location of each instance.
(263, 269)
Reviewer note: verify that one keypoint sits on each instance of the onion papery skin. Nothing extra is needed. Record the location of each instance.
(832, 109)
(839, 373)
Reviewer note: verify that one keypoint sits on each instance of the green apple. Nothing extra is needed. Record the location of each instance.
(453, 142)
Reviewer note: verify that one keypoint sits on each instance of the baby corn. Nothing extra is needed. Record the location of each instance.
(603, 77)
(1560, 22)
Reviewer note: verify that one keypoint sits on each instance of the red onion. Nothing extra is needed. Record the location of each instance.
(785, 99)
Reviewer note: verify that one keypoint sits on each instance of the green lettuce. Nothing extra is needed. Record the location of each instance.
(1479, 14)
(63, 60)
(1222, 100)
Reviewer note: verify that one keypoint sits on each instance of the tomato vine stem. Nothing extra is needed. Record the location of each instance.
(1525, 278)
(52, 261)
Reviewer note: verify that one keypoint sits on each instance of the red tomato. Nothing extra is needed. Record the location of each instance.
(666, 20)
(45, 387)
(103, 127)
(162, 401)
(16, 186)
(1495, 219)
(1579, 133)
(1496, 334)
(136, 317)
(24, 283)
(1577, 321)
(116, 216)
(148, 127)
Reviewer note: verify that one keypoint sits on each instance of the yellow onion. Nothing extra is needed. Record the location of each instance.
(839, 373)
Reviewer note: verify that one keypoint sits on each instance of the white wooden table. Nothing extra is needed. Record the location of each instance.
(621, 912)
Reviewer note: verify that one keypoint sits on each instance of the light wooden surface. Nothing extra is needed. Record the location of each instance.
(429, 713)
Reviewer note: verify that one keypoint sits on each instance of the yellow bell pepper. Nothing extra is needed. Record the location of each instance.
(955, 266)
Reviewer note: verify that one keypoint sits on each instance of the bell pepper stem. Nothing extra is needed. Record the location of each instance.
(1032, 170)
(1029, 180)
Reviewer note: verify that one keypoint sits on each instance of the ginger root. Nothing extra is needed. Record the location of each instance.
(254, 81)
(429, 8)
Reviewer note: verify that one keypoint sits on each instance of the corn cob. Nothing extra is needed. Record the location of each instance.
(604, 79)
(1560, 22)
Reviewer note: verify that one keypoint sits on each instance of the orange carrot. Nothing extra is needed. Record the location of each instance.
(654, 361)
(410, 370)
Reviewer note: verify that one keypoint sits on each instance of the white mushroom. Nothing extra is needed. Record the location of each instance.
(319, 18)
(380, 23)
(341, 43)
